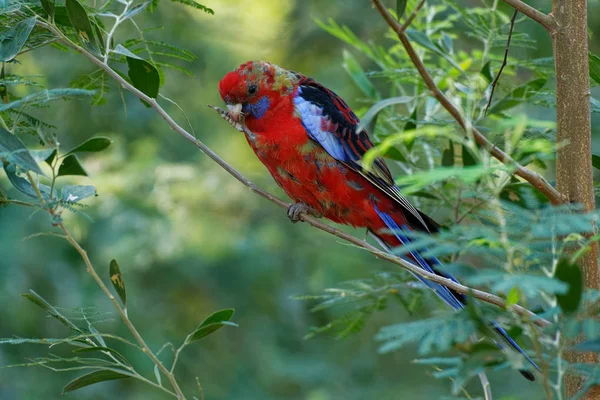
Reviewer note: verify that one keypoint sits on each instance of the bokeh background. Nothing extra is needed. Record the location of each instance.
(191, 240)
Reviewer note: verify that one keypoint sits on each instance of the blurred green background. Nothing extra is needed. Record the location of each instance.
(191, 240)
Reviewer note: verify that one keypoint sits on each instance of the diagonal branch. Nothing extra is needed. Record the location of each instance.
(484, 296)
(530, 176)
(546, 20)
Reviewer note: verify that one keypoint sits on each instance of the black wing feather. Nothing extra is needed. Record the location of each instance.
(343, 124)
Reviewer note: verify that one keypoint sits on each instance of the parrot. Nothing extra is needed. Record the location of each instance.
(309, 140)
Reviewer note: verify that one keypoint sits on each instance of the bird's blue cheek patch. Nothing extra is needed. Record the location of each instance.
(258, 109)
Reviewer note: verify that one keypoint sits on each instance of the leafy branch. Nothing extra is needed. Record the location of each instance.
(530, 176)
(484, 296)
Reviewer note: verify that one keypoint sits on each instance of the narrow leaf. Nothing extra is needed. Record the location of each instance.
(45, 96)
(571, 275)
(590, 345)
(81, 22)
(157, 375)
(400, 8)
(14, 151)
(411, 125)
(212, 323)
(353, 68)
(92, 145)
(380, 105)
(423, 40)
(94, 377)
(50, 309)
(14, 39)
(117, 281)
(21, 184)
(486, 72)
(71, 166)
(596, 161)
(467, 157)
(133, 11)
(48, 6)
(102, 349)
(448, 155)
(595, 67)
(519, 95)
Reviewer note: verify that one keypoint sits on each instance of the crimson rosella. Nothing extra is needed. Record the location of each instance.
(307, 138)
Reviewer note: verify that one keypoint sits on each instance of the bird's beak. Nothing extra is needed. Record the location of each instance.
(235, 110)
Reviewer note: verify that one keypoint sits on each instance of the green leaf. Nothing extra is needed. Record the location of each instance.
(590, 345)
(212, 323)
(195, 5)
(596, 161)
(393, 154)
(14, 151)
(595, 105)
(377, 107)
(400, 8)
(411, 125)
(45, 96)
(513, 297)
(92, 145)
(144, 76)
(434, 334)
(81, 22)
(76, 193)
(95, 377)
(525, 195)
(353, 68)
(71, 166)
(423, 40)
(46, 156)
(448, 155)
(594, 67)
(117, 281)
(133, 11)
(572, 276)
(48, 6)
(13, 40)
(50, 309)
(102, 349)
(22, 184)
(519, 95)
(486, 72)
(467, 157)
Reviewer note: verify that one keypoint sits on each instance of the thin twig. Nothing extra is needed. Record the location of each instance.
(487, 297)
(546, 20)
(530, 176)
(512, 25)
(92, 271)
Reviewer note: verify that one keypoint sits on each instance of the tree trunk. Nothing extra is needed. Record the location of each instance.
(573, 126)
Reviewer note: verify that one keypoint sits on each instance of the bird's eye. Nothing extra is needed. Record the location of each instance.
(252, 89)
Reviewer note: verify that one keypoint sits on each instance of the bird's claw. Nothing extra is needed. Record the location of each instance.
(296, 209)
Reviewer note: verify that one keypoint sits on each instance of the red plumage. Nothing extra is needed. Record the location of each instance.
(299, 164)
(307, 138)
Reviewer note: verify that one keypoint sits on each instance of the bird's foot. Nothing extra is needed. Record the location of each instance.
(296, 209)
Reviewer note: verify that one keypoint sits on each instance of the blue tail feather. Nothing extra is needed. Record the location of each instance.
(442, 291)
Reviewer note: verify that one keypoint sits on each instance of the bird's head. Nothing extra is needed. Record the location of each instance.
(255, 87)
